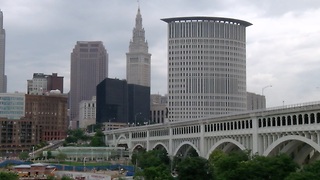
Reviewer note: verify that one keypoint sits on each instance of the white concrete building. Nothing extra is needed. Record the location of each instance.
(206, 66)
(38, 84)
(87, 112)
(12, 105)
(3, 77)
(138, 58)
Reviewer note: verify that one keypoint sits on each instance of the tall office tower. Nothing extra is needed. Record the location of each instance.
(89, 66)
(138, 58)
(206, 67)
(3, 77)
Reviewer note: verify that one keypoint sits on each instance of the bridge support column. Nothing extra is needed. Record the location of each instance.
(148, 142)
(170, 148)
(202, 144)
(255, 141)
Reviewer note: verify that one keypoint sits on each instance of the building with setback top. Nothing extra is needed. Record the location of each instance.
(138, 58)
(89, 66)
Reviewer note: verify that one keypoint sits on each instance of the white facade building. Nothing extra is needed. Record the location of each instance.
(87, 112)
(206, 66)
(38, 84)
(12, 105)
(3, 77)
(138, 58)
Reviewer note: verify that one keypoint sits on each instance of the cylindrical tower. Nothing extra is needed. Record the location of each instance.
(206, 66)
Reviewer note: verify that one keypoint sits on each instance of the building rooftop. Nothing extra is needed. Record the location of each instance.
(206, 18)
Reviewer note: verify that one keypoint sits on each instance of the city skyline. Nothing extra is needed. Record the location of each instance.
(280, 52)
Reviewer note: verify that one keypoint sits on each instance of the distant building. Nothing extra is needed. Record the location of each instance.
(44, 119)
(12, 105)
(17, 136)
(118, 101)
(42, 83)
(89, 66)
(255, 101)
(3, 77)
(87, 112)
(158, 108)
(138, 58)
(206, 67)
(49, 113)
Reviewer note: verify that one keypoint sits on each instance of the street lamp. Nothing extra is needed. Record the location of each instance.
(109, 122)
(33, 152)
(135, 118)
(265, 88)
(84, 163)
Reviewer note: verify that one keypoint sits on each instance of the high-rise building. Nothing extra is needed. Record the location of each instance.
(89, 66)
(3, 77)
(138, 58)
(42, 83)
(255, 101)
(120, 102)
(206, 66)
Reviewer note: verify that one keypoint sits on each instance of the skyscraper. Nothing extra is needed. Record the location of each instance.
(206, 66)
(138, 58)
(89, 66)
(3, 77)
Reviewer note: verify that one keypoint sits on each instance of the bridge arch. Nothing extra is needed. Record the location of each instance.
(161, 144)
(186, 143)
(223, 141)
(135, 147)
(119, 141)
(278, 142)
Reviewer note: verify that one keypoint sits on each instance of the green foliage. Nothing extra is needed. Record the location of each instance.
(51, 178)
(311, 171)
(76, 135)
(191, 168)
(240, 166)
(160, 172)
(24, 155)
(61, 157)
(155, 164)
(49, 155)
(98, 139)
(66, 178)
(9, 176)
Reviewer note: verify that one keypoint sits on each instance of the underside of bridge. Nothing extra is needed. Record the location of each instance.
(301, 152)
(160, 147)
(138, 148)
(228, 147)
(187, 150)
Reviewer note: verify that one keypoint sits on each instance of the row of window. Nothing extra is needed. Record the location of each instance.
(289, 120)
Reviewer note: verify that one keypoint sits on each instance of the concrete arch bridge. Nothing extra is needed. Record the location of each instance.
(293, 129)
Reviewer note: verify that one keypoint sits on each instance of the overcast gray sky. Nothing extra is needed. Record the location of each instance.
(283, 48)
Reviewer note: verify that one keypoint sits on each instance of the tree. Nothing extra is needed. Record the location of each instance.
(9, 176)
(61, 157)
(98, 139)
(241, 166)
(310, 171)
(24, 155)
(155, 164)
(191, 168)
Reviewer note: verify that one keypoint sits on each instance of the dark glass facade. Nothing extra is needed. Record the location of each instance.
(119, 102)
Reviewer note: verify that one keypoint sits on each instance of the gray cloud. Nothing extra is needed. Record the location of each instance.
(282, 44)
